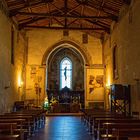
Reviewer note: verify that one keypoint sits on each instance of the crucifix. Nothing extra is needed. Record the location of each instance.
(65, 73)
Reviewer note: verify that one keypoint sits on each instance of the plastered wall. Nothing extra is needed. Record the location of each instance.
(40, 41)
(126, 36)
(10, 73)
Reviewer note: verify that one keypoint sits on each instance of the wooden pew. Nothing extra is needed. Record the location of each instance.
(119, 130)
(38, 114)
(34, 119)
(9, 137)
(89, 113)
(4, 127)
(20, 131)
(98, 122)
(31, 118)
(11, 129)
(27, 122)
(93, 117)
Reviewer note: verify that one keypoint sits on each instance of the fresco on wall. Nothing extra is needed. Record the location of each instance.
(95, 82)
(94, 85)
(33, 72)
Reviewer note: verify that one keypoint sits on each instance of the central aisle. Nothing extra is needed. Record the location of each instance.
(63, 128)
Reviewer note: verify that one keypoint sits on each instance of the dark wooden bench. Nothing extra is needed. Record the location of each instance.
(26, 120)
(24, 133)
(32, 119)
(92, 118)
(4, 127)
(98, 123)
(26, 123)
(37, 115)
(119, 130)
(89, 114)
(9, 137)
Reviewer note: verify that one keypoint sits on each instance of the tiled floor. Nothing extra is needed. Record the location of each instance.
(63, 128)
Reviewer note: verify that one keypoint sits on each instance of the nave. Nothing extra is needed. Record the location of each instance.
(63, 128)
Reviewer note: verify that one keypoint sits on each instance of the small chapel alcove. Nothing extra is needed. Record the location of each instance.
(65, 76)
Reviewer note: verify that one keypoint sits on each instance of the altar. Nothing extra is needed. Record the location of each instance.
(65, 100)
(65, 108)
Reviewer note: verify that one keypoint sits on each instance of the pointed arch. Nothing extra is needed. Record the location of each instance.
(64, 44)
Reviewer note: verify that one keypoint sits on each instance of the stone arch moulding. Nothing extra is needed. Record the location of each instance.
(64, 44)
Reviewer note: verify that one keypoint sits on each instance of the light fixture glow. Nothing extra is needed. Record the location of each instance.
(20, 82)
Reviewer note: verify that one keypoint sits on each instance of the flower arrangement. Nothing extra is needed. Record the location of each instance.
(75, 100)
(53, 101)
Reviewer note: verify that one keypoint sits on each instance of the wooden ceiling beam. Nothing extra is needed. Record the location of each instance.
(63, 16)
(127, 2)
(65, 11)
(62, 28)
(21, 25)
(104, 24)
(72, 22)
(36, 18)
(58, 21)
(15, 3)
(102, 5)
(13, 12)
(106, 28)
(103, 10)
(101, 27)
(59, 9)
(74, 8)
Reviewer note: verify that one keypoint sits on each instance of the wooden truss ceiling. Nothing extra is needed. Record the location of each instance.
(91, 16)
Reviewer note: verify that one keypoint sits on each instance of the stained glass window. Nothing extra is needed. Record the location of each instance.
(65, 73)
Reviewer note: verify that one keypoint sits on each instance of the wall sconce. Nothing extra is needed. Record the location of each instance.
(20, 82)
(20, 85)
(108, 87)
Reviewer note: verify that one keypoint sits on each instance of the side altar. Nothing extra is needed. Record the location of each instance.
(65, 100)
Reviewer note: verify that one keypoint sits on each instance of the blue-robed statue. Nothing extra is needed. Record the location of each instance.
(65, 73)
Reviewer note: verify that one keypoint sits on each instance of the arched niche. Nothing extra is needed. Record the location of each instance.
(79, 58)
(67, 44)
(53, 68)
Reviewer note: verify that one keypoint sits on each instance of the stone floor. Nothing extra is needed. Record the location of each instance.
(63, 128)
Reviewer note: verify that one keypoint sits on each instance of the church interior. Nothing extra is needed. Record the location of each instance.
(69, 65)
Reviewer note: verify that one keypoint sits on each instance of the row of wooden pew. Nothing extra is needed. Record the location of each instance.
(105, 125)
(21, 124)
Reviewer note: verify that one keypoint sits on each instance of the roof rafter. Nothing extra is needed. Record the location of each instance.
(13, 12)
(106, 28)
(60, 28)
(103, 10)
(63, 16)
(91, 16)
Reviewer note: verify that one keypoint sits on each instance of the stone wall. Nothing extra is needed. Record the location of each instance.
(42, 42)
(10, 73)
(125, 37)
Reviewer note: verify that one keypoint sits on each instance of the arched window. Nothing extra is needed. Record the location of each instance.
(65, 73)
